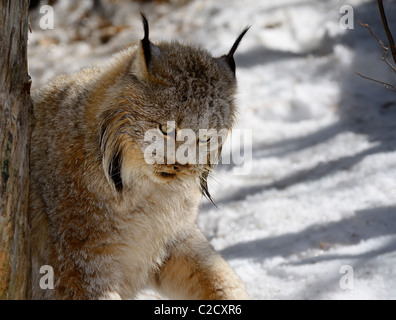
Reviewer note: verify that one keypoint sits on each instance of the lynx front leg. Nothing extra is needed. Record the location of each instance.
(195, 271)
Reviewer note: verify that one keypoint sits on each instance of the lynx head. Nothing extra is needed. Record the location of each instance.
(173, 114)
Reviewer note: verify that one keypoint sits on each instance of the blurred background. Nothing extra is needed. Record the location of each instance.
(322, 189)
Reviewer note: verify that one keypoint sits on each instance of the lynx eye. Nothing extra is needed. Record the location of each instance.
(205, 138)
(166, 130)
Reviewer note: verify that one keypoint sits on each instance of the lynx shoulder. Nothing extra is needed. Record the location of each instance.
(108, 217)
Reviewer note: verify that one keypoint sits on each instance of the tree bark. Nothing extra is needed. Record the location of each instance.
(15, 129)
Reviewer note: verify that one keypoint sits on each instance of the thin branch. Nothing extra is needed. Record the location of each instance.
(388, 63)
(383, 46)
(383, 58)
(387, 30)
(386, 85)
(381, 43)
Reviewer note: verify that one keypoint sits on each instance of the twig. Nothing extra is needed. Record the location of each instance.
(383, 58)
(386, 85)
(383, 46)
(387, 30)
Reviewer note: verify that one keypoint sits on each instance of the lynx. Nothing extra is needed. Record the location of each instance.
(105, 220)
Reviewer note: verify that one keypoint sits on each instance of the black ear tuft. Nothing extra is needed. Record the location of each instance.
(146, 44)
(229, 58)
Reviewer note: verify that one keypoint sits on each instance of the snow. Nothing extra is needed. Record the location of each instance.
(321, 191)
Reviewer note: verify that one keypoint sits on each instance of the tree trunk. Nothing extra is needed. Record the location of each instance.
(15, 129)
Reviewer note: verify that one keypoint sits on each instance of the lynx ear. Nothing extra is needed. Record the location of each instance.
(146, 52)
(229, 58)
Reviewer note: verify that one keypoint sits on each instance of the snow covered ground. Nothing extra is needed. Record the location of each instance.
(321, 193)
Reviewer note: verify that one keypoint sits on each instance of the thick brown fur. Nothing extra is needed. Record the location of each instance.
(108, 223)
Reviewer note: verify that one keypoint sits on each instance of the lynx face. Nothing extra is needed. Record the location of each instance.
(198, 91)
(175, 117)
